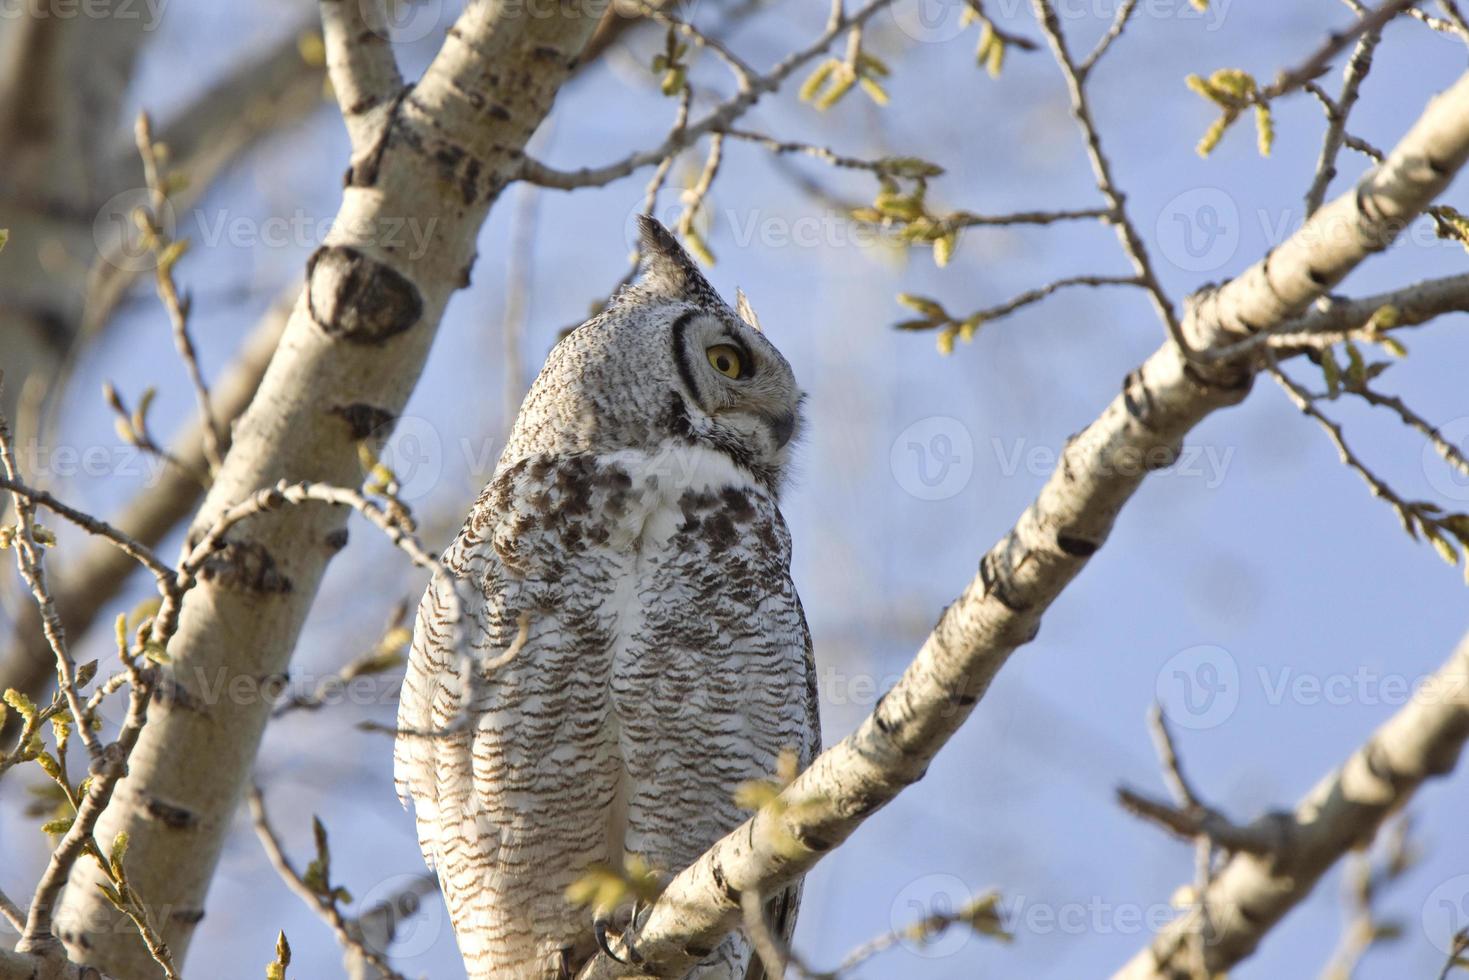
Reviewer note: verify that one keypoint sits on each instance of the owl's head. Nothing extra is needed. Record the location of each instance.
(668, 362)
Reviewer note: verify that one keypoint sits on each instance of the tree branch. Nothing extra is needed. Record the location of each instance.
(324, 907)
(1023, 574)
(1252, 893)
(352, 349)
(1127, 235)
(360, 63)
(720, 118)
(97, 570)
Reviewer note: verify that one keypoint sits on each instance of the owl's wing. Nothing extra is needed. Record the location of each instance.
(513, 807)
(780, 911)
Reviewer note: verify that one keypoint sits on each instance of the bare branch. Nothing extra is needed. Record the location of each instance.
(1104, 44)
(719, 118)
(1251, 893)
(28, 556)
(135, 550)
(1194, 822)
(1452, 454)
(324, 907)
(96, 570)
(1312, 67)
(167, 253)
(362, 68)
(1100, 469)
(1337, 112)
(12, 913)
(1127, 235)
(1341, 234)
(1457, 951)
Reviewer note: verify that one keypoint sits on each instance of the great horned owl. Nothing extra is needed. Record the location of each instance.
(631, 531)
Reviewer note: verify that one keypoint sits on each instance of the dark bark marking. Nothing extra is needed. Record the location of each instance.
(1076, 547)
(363, 420)
(171, 816)
(355, 298)
(244, 566)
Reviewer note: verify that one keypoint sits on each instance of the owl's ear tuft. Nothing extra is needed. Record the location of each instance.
(746, 311)
(667, 268)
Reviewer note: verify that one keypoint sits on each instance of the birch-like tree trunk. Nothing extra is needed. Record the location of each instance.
(438, 154)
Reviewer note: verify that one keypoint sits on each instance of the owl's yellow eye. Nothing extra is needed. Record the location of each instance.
(726, 360)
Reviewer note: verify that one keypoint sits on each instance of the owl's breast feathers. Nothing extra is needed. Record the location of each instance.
(667, 661)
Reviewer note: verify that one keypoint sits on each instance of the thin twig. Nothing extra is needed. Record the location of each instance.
(745, 76)
(479, 671)
(382, 656)
(656, 182)
(1192, 823)
(29, 558)
(1119, 24)
(1313, 66)
(325, 908)
(1127, 235)
(1307, 404)
(883, 166)
(128, 545)
(166, 253)
(13, 913)
(1456, 953)
(1337, 112)
(719, 118)
(693, 198)
(1007, 37)
(106, 773)
(1451, 453)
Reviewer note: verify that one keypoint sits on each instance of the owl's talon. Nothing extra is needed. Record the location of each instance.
(600, 924)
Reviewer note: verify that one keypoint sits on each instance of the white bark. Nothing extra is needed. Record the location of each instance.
(1023, 574)
(1253, 892)
(22, 966)
(352, 349)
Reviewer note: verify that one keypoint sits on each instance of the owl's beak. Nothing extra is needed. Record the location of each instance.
(782, 427)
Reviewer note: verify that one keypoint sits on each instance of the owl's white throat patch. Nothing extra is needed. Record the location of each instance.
(677, 467)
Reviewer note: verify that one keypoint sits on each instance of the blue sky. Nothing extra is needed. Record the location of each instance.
(1258, 569)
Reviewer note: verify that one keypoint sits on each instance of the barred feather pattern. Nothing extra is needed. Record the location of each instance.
(621, 727)
(633, 525)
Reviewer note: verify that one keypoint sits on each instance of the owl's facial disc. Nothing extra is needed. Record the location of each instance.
(744, 396)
